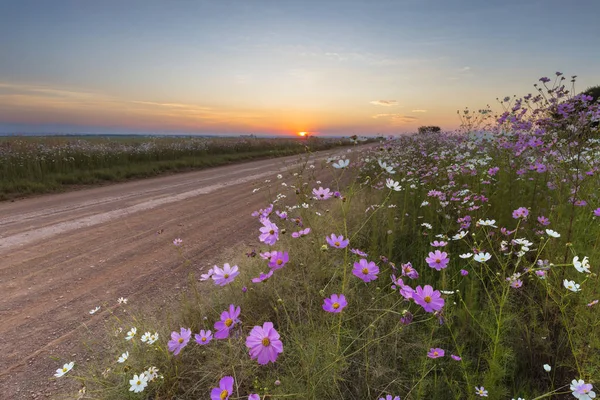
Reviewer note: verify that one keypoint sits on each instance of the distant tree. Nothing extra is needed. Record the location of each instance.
(562, 123)
(594, 91)
(430, 129)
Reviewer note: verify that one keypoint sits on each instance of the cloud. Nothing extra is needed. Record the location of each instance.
(396, 117)
(386, 103)
(418, 111)
(464, 69)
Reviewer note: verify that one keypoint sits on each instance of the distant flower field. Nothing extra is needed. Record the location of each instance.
(437, 266)
(43, 164)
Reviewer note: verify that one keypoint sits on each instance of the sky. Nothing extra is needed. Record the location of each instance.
(280, 67)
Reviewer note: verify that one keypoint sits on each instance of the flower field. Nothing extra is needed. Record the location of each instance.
(44, 164)
(436, 266)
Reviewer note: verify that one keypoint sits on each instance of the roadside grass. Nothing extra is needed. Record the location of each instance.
(36, 165)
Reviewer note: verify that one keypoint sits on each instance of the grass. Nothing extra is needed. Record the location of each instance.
(35, 165)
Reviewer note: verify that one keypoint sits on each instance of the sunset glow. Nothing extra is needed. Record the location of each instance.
(302, 133)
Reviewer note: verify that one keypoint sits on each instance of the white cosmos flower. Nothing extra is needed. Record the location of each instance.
(424, 203)
(341, 164)
(153, 338)
(547, 368)
(552, 233)
(391, 184)
(487, 222)
(459, 235)
(138, 383)
(582, 266)
(122, 300)
(151, 373)
(571, 285)
(426, 225)
(66, 368)
(131, 333)
(95, 310)
(466, 255)
(123, 357)
(279, 176)
(482, 257)
(145, 337)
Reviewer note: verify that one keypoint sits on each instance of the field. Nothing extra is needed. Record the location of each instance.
(437, 266)
(30, 165)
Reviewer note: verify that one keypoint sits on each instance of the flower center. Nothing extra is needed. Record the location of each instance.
(204, 339)
(322, 195)
(427, 299)
(279, 262)
(435, 353)
(266, 341)
(224, 394)
(64, 370)
(437, 260)
(336, 305)
(337, 244)
(365, 271)
(138, 382)
(271, 232)
(180, 340)
(228, 322)
(226, 276)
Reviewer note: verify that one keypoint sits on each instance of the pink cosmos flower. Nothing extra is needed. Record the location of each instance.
(592, 303)
(263, 277)
(597, 212)
(409, 271)
(436, 353)
(464, 272)
(543, 220)
(389, 397)
(335, 303)
(264, 343)
(337, 241)
(322, 194)
(582, 390)
(269, 232)
(228, 321)
(282, 215)
(226, 275)
(455, 358)
(253, 396)
(179, 340)
(441, 243)
(224, 390)
(365, 270)
(359, 252)
(177, 242)
(427, 298)
(204, 337)
(278, 260)
(520, 212)
(266, 255)
(301, 233)
(438, 260)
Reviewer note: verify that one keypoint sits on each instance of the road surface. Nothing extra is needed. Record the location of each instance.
(62, 255)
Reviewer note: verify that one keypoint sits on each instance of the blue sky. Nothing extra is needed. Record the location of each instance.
(280, 66)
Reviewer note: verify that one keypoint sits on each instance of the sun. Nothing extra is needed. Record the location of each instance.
(302, 134)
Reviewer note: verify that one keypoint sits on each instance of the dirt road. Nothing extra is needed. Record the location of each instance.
(62, 255)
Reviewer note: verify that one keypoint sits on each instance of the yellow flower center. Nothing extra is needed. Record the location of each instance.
(226, 276)
(336, 305)
(224, 394)
(180, 340)
(365, 271)
(427, 299)
(266, 341)
(437, 260)
(138, 382)
(204, 339)
(435, 353)
(337, 244)
(279, 262)
(64, 370)
(271, 232)
(228, 322)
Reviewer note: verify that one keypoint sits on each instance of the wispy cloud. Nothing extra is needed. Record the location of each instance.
(386, 103)
(418, 111)
(464, 69)
(396, 117)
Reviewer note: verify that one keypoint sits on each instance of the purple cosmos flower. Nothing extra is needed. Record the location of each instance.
(337, 241)
(359, 252)
(335, 303)
(253, 396)
(464, 272)
(224, 390)
(179, 340)
(266, 255)
(406, 318)
(226, 275)
(515, 284)
(269, 232)
(228, 320)
(278, 260)
(263, 277)
(365, 270)
(455, 358)
(427, 298)
(438, 260)
(301, 233)
(543, 220)
(481, 392)
(207, 276)
(405, 290)
(409, 271)
(264, 343)
(582, 390)
(520, 212)
(441, 243)
(204, 337)
(282, 215)
(436, 353)
(597, 212)
(322, 194)
(592, 303)
(177, 242)
(389, 397)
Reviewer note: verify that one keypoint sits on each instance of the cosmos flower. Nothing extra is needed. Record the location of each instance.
(409, 271)
(436, 353)
(226, 275)
(571, 285)
(552, 233)
(264, 343)
(455, 358)
(520, 212)
(341, 164)
(322, 194)
(263, 277)
(278, 260)
(389, 397)
(365, 270)
(204, 337)
(66, 368)
(359, 252)
(481, 392)
(179, 340)
(335, 303)
(123, 357)
(337, 241)
(224, 390)
(582, 390)
(582, 266)
(438, 260)
(269, 232)
(228, 320)
(301, 233)
(427, 298)
(138, 383)
(131, 333)
(482, 257)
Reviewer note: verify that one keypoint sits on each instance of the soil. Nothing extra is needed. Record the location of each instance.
(61, 255)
